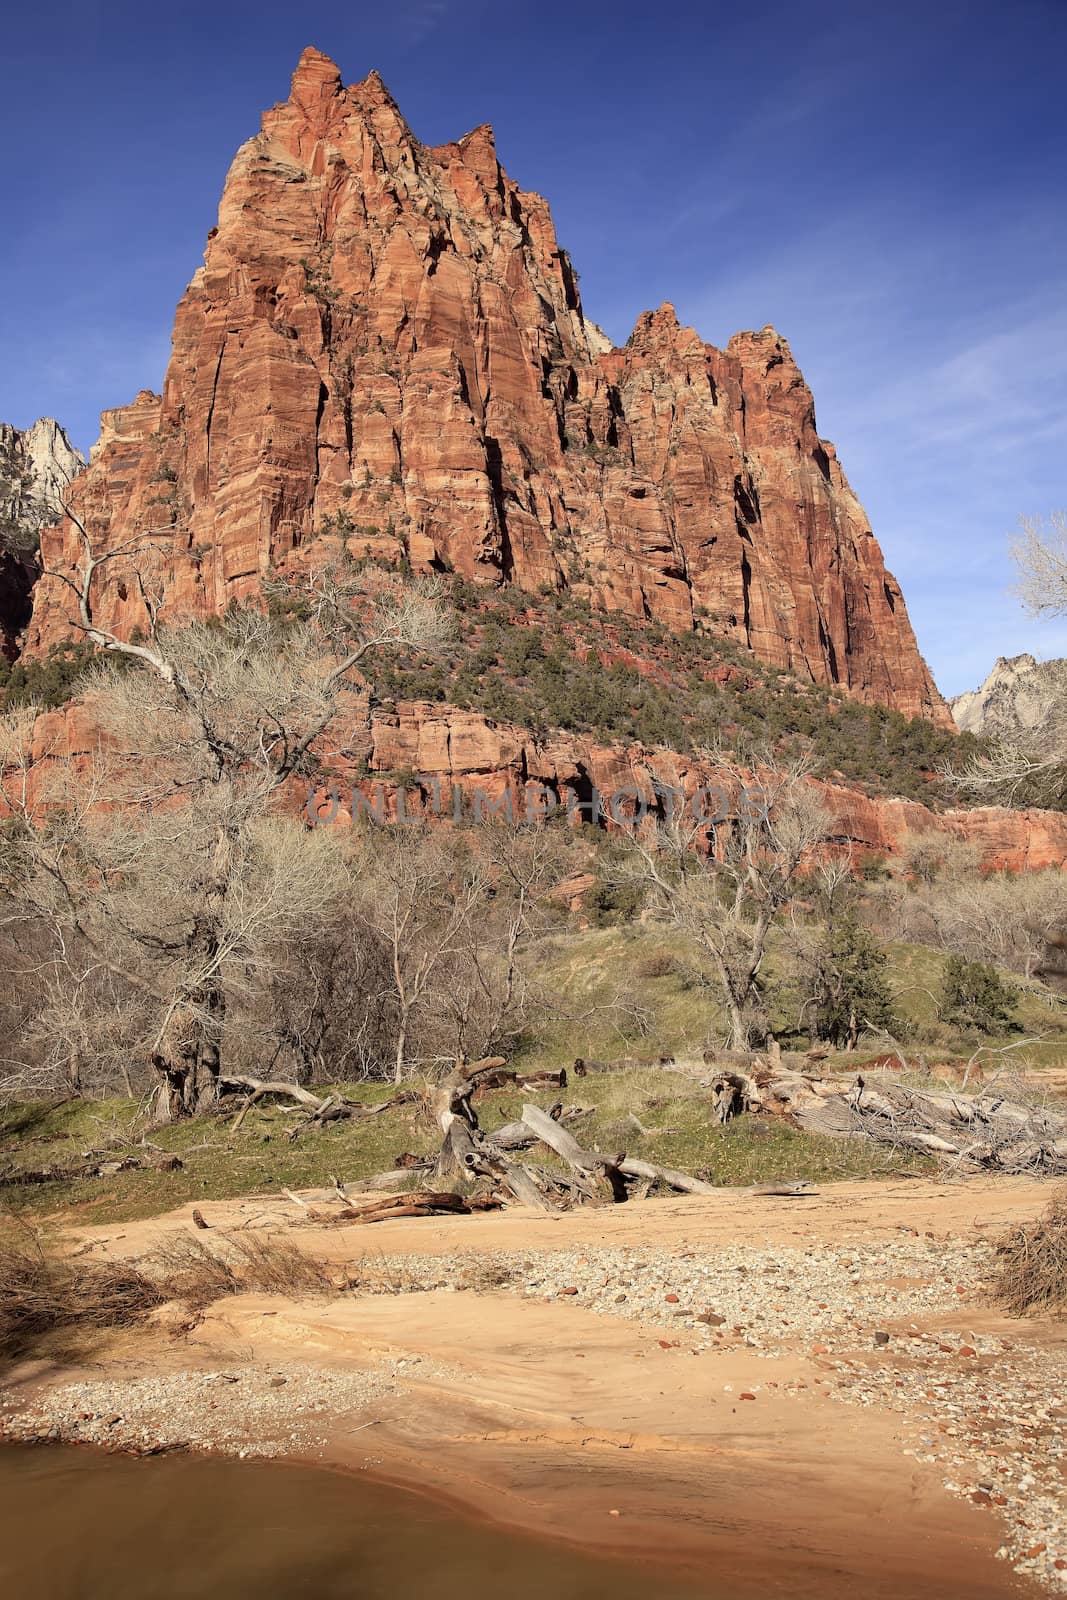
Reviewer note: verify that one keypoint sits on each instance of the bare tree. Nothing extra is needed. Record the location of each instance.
(201, 742)
(1039, 551)
(330, 1009)
(723, 885)
(490, 993)
(927, 857)
(1000, 917)
(424, 890)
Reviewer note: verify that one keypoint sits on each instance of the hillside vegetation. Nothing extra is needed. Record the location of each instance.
(665, 1014)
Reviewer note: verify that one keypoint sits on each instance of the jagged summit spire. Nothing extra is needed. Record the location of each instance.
(316, 80)
(375, 85)
(316, 64)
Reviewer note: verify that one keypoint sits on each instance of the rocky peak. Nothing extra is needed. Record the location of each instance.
(316, 77)
(37, 466)
(1015, 698)
(386, 350)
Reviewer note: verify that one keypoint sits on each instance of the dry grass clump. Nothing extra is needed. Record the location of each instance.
(42, 1293)
(1031, 1278)
(658, 964)
(189, 1269)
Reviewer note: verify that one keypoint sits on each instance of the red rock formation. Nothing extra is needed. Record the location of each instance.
(430, 752)
(386, 347)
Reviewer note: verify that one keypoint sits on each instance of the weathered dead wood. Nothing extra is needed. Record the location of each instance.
(453, 1096)
(520, 1136)
(521, 1080)
(389, 1180)
(588, 1163)
(799, 1190)
(979, 1130)
(631, 1167)
(517, 1178)
(258, 1089)
(465, 1150)
(583, 1066)
(732, 1092)
(415, 1203)
(335, 1109)
(95, 1164)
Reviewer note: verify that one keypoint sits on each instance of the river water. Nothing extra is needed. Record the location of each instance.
(80, 1526)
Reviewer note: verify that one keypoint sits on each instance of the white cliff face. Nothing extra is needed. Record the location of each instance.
(36, 470)
(1017, 696)
(53, 461)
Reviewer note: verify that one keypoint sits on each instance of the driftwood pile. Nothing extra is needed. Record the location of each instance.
(985, 1130)
(468, 1151)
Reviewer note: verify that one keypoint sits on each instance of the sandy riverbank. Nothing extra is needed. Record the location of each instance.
(549, 1373)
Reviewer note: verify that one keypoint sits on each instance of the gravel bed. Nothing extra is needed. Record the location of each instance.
(988, 1412)
(993, 1424)
(245, 1412)
(765, 1299)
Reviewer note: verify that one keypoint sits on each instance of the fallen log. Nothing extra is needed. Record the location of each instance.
(389, 1180)
(520, 1136)
(588, 1163)
(633, 1168)
(417, 1203)
(259, 1088)
(522, 1080)
(465, 1150)
(583, 1065)
(980, 1130)
(96, 1164)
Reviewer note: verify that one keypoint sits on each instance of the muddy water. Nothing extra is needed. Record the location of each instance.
(78, 1526)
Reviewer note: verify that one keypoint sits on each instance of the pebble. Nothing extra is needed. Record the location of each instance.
(252, 1413)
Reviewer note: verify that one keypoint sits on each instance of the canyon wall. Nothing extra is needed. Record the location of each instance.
(446, 762)
(1020, 695)
(385, 351)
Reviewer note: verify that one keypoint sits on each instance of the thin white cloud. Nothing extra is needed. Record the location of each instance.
(417, 22)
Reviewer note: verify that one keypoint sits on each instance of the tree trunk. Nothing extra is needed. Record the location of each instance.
(739, 1028)
(401, 1047)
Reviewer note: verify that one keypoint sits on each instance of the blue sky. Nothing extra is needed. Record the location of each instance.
(885, 182)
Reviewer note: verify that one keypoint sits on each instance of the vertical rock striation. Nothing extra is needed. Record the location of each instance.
(386, 348)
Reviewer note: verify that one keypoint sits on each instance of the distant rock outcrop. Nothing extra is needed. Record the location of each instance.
(386, 349)
(36, 470)
(1016, 698)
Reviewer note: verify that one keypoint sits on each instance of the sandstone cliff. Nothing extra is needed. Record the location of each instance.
(1016, 698)
(458, 762)
(36, 469)
(386, 349)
